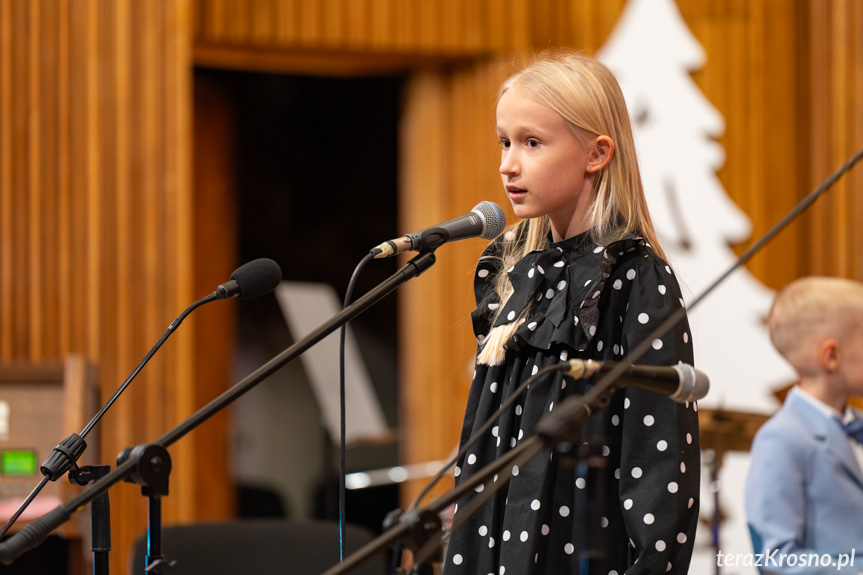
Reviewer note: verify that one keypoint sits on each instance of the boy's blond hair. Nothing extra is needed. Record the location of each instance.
(809, 310)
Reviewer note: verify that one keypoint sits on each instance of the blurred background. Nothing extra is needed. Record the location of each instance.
(147, 149)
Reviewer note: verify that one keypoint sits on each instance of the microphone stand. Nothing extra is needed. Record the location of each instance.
(63, 459)
(421, 529)
(149, 464)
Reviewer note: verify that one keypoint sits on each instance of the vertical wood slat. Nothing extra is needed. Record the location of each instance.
(855, 94)
(47, 154)
(85, 196)
(428, 27)
(404, 33)
(839, 133)
(520, 24)
(495, 26)
(819, 77)
(207, 489)
(835, 138)
(94, 266)
(357, 23)
(33, 112)
(335, 22)
(421, 185)
(311, 22)
(382, 25)
(263, 24)
(845, 71)
(437, 180)
(214, 134)
(834, 135)
(149, 294)
(288, 19)
(19, 311)
(74, 156)
(64, 316)
(7, 285)
(447, 26)
(451, 24)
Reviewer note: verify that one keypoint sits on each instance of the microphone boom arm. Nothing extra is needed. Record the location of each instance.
(34, 533)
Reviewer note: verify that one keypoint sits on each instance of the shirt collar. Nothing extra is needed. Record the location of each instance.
(822, 407)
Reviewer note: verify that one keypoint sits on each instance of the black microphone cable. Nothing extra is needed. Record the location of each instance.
(250, 280)
(492, 220)
(342, 419)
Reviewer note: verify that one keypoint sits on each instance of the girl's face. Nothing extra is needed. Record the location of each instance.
(545, 168)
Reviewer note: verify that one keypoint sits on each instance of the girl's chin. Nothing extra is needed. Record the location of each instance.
(524, 212)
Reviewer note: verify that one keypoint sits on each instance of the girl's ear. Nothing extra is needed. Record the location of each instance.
(601, 150)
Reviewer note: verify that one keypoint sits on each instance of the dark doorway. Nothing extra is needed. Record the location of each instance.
(315, 170)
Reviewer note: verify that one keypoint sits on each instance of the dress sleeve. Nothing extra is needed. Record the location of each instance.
(659, 472)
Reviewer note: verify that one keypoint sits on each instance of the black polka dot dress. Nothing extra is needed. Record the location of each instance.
(590, 302)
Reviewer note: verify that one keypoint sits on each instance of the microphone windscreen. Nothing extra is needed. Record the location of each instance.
(257, 277)
(495, 219)
(694, 384)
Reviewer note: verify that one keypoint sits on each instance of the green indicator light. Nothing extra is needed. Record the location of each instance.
(18, 463)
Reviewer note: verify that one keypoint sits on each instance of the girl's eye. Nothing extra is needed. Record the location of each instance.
(532, 143)
(505, 144)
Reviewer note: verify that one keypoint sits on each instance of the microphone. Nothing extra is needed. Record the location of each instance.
(253, 279)
(486, 220)
(250, 280)
(682, 382)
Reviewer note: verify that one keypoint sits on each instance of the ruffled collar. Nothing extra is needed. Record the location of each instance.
(560, 284)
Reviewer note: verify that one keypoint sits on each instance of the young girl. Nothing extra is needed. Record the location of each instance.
(582, 276)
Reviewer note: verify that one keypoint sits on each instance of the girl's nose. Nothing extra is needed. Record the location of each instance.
(508, 164)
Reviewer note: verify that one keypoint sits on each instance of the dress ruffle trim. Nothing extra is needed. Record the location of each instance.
(559, 312)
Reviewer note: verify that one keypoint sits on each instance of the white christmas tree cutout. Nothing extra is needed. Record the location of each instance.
(652, 53)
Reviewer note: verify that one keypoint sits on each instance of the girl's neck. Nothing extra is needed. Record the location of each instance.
(570, 232)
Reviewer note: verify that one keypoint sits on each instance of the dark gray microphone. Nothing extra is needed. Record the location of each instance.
(486, 220)
(681, 382)
(253, 279)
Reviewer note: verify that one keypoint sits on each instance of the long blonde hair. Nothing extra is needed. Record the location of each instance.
(586, 94)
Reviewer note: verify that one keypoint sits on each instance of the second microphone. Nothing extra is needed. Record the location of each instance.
(486, 220)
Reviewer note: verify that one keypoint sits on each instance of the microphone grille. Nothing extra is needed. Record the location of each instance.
(494, 218)
(693, 384)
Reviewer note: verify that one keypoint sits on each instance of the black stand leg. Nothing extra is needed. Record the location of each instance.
(156, 562)
(100, 514)
(100, 525)
(422, 526)
(152, 472)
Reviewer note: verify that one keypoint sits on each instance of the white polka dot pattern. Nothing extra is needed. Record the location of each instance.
(614, 313)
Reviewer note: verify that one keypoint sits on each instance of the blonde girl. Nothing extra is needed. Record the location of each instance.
(582, 276)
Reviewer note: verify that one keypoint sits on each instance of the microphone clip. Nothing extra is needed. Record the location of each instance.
(427, 240)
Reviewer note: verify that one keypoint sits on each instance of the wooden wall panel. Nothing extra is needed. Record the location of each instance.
(7, 289)
(444, 27)
(98, 221)
(97, 226)
(786, 77)
(751, 75)
(835, 130)
(437, 182)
